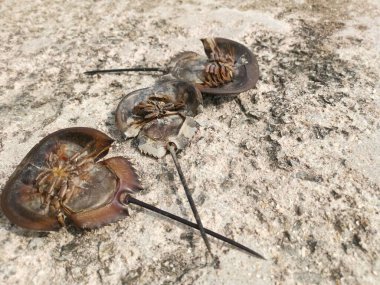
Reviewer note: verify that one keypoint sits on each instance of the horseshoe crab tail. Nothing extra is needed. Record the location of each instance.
(189, 197)
(120, 70)
(131, 200)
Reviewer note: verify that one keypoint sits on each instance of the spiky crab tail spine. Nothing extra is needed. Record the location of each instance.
(131, 200)
(119, 70)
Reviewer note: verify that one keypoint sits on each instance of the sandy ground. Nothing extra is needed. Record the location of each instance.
(298, 158)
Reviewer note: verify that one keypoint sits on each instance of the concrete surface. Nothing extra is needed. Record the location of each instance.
(290, 169)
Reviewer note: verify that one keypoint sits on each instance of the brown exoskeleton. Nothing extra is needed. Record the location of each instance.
(63, 179)
(228, 67)
(160, 115)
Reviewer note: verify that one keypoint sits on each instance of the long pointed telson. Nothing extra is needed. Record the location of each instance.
(228, 67)
(188, 195)
(119, 70)
(131, 200)
(161, 119)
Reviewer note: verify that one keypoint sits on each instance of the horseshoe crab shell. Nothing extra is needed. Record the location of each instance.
(170, 122)
(190, 66)
(95, 186)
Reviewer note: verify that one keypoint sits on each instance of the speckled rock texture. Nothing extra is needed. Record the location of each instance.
(291, 168)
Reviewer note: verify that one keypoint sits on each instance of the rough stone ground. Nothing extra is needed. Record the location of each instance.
(290, 169)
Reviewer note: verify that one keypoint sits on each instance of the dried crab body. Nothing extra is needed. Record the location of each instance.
(64, 169)
(162, 119)
(227, 67)
(160, 115)
(61, 178)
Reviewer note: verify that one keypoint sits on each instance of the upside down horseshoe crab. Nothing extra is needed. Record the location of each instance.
(228, 68)
(161, 118)
(63, 179)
